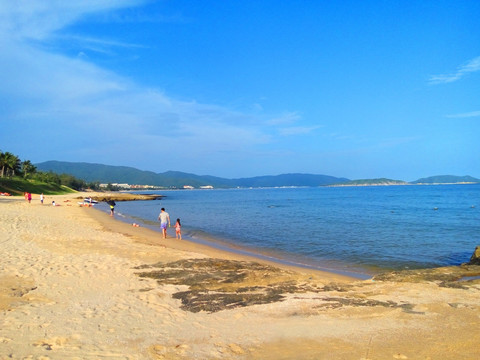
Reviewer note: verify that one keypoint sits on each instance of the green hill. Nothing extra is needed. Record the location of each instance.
(372, 182)
(446, 179)
(17, 186)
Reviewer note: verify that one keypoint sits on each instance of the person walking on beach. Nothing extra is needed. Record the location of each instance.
(112, 204)
(29, 197)
(41, 198)
(164, 220)
(178, 229)
(112, 209)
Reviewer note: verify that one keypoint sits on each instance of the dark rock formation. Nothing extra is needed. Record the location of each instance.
(475, 259)
(216, 284)
(460, 277)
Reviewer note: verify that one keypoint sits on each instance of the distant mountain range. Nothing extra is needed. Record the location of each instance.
(176, 179)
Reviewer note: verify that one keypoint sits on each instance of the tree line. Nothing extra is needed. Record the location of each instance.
(12, 166)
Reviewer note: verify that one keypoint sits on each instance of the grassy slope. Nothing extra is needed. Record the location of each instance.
(17, 186)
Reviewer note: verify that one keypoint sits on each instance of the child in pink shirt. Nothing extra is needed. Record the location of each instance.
(178, 229)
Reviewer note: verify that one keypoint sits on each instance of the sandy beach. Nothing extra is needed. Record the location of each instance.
(78, 284)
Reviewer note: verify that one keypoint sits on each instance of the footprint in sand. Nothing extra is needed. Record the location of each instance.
(53, 343)
(4, 340)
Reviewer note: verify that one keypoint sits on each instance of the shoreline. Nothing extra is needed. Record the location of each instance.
(74, 287)
(224, 248)
(150, 236)
(320, 236)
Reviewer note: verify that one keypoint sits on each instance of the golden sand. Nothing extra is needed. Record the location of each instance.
(70, 289)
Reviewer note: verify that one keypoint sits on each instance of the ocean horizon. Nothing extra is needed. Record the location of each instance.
(358, 231)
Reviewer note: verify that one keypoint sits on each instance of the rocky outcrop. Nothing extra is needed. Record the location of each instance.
(475, 259)
(122, 197)
(217, 284)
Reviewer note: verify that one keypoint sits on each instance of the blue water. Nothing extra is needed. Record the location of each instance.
(348, 229)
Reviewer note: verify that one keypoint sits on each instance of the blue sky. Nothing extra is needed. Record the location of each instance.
(356, 89)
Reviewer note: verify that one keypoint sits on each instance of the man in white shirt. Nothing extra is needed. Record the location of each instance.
(164, 220)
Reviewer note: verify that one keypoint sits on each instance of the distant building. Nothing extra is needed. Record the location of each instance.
(121, 186)
(132, 187)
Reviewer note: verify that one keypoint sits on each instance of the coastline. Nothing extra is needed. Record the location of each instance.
(216, 247)
(77, 284)
(388, 228)
(152, 237)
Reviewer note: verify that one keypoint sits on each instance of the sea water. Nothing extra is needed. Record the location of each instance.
(353, 230)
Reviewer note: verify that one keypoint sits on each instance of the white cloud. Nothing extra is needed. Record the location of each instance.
(394, 142)
(470, 67)
(465, 115)
(71, 109)
(96, 44)
(297, 130)
(286, 128)
(287, 118)
(38, 19)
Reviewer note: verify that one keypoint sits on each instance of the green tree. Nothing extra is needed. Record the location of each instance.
(111, 187)
(93, 185)
(48, 177)
(72, 182)
(3, 164)
(28, 168)
(11, 163)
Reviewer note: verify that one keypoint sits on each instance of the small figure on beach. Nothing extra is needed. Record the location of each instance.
(29, 196)
(112, 207)
(164, 218)
(178, 229)
(41, 198)
(53, 203)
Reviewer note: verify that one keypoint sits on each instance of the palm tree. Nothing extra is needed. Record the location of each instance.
(28, 168)
(12, 162)
(2, 163)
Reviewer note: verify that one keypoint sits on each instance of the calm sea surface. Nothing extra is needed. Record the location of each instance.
(360, 230)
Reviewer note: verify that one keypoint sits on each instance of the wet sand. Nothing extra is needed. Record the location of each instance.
(77, 284)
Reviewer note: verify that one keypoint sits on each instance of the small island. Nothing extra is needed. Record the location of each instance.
(432, 180)
(446, 179)
(372, 182)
